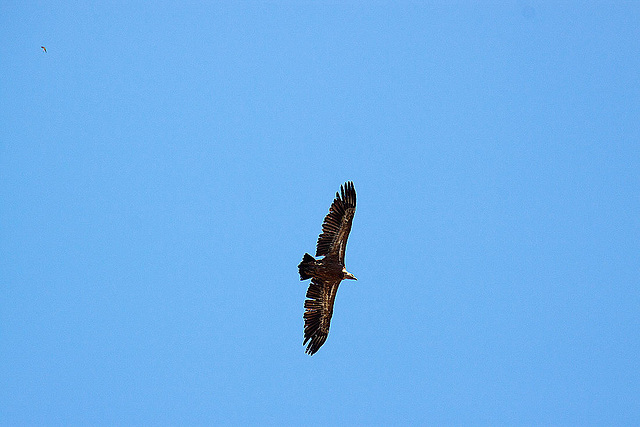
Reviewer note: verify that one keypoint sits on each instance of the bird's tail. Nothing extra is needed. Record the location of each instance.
(307, 267)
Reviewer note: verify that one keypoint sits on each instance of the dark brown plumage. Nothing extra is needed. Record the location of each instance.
(327, 273)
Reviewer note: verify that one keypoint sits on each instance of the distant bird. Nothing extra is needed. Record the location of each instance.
(44, 49)
(327, 273)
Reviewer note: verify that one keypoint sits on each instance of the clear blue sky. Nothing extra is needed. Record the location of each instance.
(164, 167)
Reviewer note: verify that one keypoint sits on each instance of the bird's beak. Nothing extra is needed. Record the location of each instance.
(351, 276)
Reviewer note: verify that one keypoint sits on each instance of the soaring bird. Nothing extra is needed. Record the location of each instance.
(44, 49)
(327, 273)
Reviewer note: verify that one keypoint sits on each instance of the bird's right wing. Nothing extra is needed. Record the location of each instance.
(337, 223)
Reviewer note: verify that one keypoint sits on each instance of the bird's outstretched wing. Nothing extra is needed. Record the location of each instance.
(318, 309)
(337, 223)
(44, 49)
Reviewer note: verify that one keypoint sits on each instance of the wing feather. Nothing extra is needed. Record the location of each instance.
(318, 309)
(337, 223)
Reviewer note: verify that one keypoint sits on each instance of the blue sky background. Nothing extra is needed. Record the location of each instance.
(164, 167)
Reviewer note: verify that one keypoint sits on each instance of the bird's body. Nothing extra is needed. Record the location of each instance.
(327, 273)
(44, 49)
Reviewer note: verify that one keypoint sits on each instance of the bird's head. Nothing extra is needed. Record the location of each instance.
(347, 275)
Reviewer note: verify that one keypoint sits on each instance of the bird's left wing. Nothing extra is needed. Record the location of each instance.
(318, 309)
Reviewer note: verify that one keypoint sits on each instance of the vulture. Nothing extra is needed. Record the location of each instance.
(327, 273)
(44, 49)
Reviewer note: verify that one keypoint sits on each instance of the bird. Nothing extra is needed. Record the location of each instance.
(327, 273)
(44, 49)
